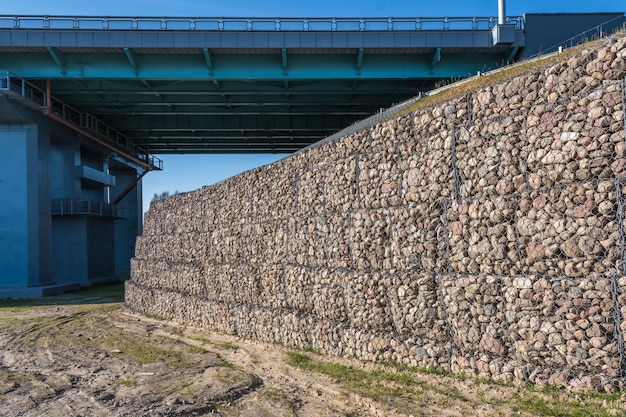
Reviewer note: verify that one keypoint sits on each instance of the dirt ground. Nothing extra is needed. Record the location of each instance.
(85, 354)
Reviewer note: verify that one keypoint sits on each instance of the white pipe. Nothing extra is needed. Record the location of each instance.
(501, 12)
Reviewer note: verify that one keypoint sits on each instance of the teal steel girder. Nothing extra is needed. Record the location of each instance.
(129, 65)
(132, 59)
(156, 112)
(59, 58)
(208, 60)
(263, 122)
(193, 88)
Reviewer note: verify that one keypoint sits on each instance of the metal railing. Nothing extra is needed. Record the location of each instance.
(28, 93)
(68, 207)
(253, 24)
(35, 97)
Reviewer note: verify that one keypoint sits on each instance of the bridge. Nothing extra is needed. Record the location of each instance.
(86, 104)
(202, 85)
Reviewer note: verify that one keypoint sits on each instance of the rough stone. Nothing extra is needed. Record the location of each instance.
(481, 235)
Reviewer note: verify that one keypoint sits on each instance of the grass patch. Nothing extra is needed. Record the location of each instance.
(196, 349)
(435, 371)
(226, 346)
(310, 349)
(550, 401)
(122, 382)
(19, 325)
(186, 390)
(139, 352)
(110, 338)
(402, 387)
(34, 329)
(340, 373)
(353, 380)
(179, 363)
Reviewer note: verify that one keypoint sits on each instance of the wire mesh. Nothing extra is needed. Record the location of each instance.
(485, 235)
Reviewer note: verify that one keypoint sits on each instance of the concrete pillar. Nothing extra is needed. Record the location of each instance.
(46, 249)
(19, 199)
(130, 226)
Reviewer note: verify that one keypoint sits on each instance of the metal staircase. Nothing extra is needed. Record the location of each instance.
(38, 99)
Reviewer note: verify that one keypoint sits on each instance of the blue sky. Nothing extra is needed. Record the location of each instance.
(190, 172)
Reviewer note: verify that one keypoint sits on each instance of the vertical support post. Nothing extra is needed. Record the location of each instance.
(615, 289)
(455, 170)
(48, 96)
(615, 286)
(617, 318)
(501, 12)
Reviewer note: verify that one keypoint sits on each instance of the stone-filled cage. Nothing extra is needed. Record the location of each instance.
(483, 235)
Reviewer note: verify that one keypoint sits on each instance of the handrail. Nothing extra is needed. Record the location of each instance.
(13, 85)
(349, 24)
(70, 207)
(35, 97)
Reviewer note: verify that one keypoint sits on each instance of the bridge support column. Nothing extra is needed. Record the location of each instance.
(128, 228)
(58, 229)
(25, 217)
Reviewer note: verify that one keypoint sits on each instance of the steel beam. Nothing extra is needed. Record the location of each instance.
(436, 58)
(359, 61)
(511, 56)
(227, 121)
(250, 67)
(284, 60)
(208, 60)
(233, 88)
(215, 40)
(131, 56)
(59, 58)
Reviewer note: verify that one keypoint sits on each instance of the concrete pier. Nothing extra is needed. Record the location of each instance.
(58, 228)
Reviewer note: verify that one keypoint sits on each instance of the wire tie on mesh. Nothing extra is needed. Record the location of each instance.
(617, 318)
(455, 170)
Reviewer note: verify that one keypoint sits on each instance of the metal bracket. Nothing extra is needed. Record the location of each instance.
(284, 57)
(132, 59)
(359, 61)
(436, 58)
(208, 60)
(59, 58)
(512, 54)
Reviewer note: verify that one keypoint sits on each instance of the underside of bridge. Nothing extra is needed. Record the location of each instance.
(233, 116)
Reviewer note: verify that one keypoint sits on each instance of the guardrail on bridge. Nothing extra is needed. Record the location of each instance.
(254, 24)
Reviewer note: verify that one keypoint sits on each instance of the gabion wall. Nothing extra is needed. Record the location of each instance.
(484, 235)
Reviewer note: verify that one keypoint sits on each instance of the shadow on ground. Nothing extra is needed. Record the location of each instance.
(112, 292)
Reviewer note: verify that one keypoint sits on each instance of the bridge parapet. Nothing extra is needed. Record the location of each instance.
(254, 24)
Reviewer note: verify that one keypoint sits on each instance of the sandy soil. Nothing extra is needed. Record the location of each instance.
(94, 358)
